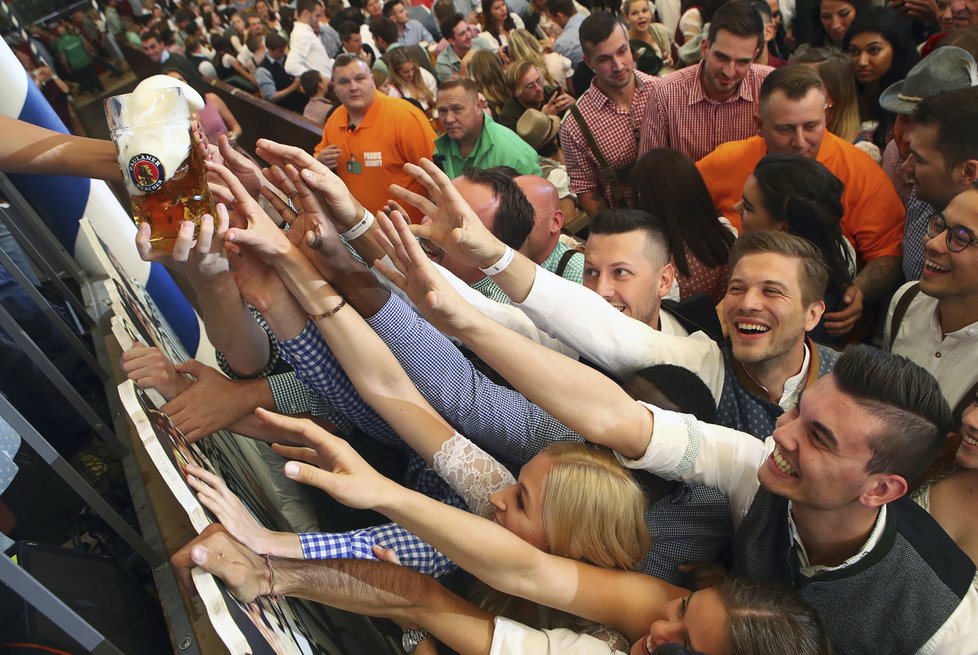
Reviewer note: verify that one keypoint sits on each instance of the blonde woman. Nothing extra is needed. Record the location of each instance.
(408, 80)
(486, 70)
(641, 25)
(555, 67)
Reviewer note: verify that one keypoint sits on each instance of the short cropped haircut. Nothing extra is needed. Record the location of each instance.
(388, 9)
(348, 58)
(596, 28)
(515, 215)
(793, 81)
(149, 35)
(383, 28)
(813, 273)
(620, 221)
(460, 83)
(565, 7)
(274, 41)
(907, 399)
(347, 29)
(447, 25)
(953, 112)
(305, 5)
(740, 18)
(309, 81)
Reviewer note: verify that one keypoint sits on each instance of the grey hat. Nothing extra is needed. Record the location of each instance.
(948, 68)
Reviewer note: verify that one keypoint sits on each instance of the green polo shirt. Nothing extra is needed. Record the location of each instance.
(497, 146)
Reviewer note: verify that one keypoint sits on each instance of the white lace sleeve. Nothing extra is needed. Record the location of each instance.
(471, 472)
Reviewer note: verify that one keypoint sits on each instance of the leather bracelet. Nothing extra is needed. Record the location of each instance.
(501, 264)
(319, 317)
(360, 228)
(271, 578)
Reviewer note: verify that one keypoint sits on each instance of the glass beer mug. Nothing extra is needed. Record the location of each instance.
(160, 160)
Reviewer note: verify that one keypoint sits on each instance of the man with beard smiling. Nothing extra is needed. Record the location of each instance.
(701, 107)
(935, 322)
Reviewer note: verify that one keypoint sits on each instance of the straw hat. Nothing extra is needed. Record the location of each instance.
(537, 129)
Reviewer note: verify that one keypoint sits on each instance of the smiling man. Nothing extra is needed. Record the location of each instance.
(371, 136)
(793, 121)
(701, 107)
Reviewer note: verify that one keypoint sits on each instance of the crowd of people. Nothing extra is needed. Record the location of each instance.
(734, 412)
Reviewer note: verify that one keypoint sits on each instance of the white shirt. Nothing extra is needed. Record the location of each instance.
(622, 345)
(682, 448)
(306, 52)
(512, 638)
(952, 359)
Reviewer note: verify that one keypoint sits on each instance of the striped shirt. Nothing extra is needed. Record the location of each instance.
(616, 131)
(681, 116)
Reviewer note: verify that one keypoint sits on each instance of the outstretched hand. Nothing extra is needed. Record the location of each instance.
(342, 207)
(261, 234)
(218, 553)
(197, 260)
(230, 511)
(150, 369)
(449, 221)
(329, 463)
(414, 274)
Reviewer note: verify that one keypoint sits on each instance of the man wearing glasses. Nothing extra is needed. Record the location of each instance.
(934, 322)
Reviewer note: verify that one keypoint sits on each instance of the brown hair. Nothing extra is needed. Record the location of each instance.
(813, 275)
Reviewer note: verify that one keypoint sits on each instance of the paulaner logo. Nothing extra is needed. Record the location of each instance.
(146, 172)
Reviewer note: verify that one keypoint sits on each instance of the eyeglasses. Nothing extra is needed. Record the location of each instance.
(958, 236)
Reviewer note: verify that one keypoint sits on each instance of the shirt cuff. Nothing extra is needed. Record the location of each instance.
(289, 395)
(673, 448)
(342, 545)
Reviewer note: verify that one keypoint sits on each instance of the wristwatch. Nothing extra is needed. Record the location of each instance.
(411, 638)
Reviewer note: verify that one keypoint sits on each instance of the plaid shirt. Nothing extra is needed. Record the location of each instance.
(914, 235)
(682, 117)
(616, 131)
(358, 544)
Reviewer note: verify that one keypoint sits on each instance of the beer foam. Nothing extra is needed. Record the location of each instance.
(161, 127)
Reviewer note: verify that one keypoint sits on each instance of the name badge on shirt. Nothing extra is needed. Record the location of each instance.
(353, 167)
(373, 159)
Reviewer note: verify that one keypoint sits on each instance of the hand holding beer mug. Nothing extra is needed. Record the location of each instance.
(160, 161)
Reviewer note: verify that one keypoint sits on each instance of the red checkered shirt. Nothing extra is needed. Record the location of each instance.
(681, 116)
(613, 128)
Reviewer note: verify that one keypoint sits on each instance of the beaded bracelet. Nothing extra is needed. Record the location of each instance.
(318, 317)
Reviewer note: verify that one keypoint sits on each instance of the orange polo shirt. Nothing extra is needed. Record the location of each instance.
(874, 215)
(372, 156)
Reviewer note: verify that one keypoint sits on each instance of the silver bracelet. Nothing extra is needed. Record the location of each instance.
(501, 264)
(360, 228)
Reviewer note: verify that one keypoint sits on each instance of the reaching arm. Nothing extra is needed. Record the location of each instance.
(490, 552)
(35, 150)
(373, 588)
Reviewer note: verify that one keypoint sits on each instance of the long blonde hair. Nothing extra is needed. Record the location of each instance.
(398, 57)
(594, 512)
(523, 46)
(486, 71)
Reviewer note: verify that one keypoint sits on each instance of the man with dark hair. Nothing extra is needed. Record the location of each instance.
(612, 112)
(368, 140)
(792, 116)
(943, 150)
(353, 42)
(154, 49)
(454, 60)
(317, 107)
(472, 139)
(701, 107)
(306, 50)
(384, 32)
(569, 43)
(274, 81)
(409, 31)
(934, 322)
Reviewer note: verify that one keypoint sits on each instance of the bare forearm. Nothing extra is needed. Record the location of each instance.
(28, 148)
(386, 590)
(580, 397)
(879, 277)
(229, 324)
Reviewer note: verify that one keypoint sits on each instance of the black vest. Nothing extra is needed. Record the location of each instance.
(295, 101)
(893, 600)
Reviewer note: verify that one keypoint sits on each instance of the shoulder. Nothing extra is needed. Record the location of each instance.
(745, 150)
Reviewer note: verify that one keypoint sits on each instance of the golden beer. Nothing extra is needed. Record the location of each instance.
(160, 160)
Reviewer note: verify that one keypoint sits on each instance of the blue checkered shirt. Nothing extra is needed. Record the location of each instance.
(358, 544)
(690, 525)
(914, 235)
